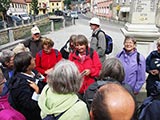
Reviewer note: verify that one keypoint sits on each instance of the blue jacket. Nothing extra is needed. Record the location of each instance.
(152, 55)
(134, 72)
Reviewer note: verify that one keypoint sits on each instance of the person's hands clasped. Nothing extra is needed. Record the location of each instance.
(154, 72)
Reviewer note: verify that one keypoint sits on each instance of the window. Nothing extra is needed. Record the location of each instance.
(52, 4)
(57, 4)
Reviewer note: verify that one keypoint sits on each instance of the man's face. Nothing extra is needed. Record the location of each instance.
(93, 26)
(36, 36)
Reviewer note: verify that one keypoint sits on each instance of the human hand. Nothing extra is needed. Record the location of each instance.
(86, 72)
(34, 86)
(48, 71)
(154, 72)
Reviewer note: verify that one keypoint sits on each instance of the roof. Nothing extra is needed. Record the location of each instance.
(18, 1)
(28, 1)
(54, 0)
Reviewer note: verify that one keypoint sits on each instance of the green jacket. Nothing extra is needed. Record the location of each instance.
(53, 103)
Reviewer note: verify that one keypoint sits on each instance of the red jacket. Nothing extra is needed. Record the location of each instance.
(46, 61)
(93, 64)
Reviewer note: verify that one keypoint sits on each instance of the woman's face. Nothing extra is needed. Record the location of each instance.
(47, 49)
(129, 45)
(81, 48)
(32, 65)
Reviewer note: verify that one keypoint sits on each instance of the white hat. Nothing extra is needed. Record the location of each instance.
(95, 21)
(35, 30)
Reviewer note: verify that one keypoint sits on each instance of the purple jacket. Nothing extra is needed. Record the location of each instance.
(134, 72)
(7, 112)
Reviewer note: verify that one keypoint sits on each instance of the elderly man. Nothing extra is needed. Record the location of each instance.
(112, 102)
(35, 43)
(98, 43)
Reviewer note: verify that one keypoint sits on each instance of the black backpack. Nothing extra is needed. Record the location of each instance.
(52, 117)
(109, 41)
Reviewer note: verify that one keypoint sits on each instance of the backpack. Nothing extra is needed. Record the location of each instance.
(109, 42)
(56, 51)
(52, 117)
(141, 110)
(137, 57)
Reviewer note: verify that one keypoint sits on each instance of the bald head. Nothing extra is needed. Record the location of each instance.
(113, 102)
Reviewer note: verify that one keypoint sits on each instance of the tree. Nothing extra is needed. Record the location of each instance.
(67, 3)
(35, 7)
(4, 6)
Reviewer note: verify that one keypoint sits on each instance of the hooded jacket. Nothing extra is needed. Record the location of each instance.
(53, 103)
(92, 63)
(134, 72)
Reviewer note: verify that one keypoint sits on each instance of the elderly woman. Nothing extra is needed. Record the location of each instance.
(25, 86)
(59, 98)
(134, 64)
(87, 61)
(6, 59)
(47, 57)
(6, 111)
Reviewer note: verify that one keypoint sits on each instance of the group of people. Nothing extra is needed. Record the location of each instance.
(78, 82)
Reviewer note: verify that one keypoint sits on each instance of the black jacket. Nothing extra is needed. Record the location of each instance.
(21, 96)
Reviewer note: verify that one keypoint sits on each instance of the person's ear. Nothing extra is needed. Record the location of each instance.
(91, 115)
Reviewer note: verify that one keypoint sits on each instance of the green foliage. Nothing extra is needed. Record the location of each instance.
(34, 5)
(4, 5)
(67, 3)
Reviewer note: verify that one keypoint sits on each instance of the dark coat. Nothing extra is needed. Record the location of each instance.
(34, 46)
(149, 66)
(21, 96)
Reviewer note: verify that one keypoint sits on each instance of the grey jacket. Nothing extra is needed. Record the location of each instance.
(99, 44)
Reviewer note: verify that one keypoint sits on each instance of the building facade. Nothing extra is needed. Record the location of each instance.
(17, 6)
(49, 6)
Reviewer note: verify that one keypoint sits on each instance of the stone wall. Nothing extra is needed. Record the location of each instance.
(20, 32)
(4, 37)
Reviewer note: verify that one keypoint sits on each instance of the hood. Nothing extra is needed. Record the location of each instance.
(53, 103)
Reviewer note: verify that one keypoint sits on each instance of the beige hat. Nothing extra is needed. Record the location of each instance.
(35, 30)
(20, 48)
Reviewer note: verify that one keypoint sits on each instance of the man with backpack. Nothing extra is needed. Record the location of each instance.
(134, 64)
(98, 43)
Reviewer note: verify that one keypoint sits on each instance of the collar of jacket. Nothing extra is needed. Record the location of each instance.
(95, 31)
(129, 53)
(77, 54)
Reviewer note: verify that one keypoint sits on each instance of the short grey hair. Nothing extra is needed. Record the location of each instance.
(6, 56)
(130, 38)
(112, 68)
(65, 78)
